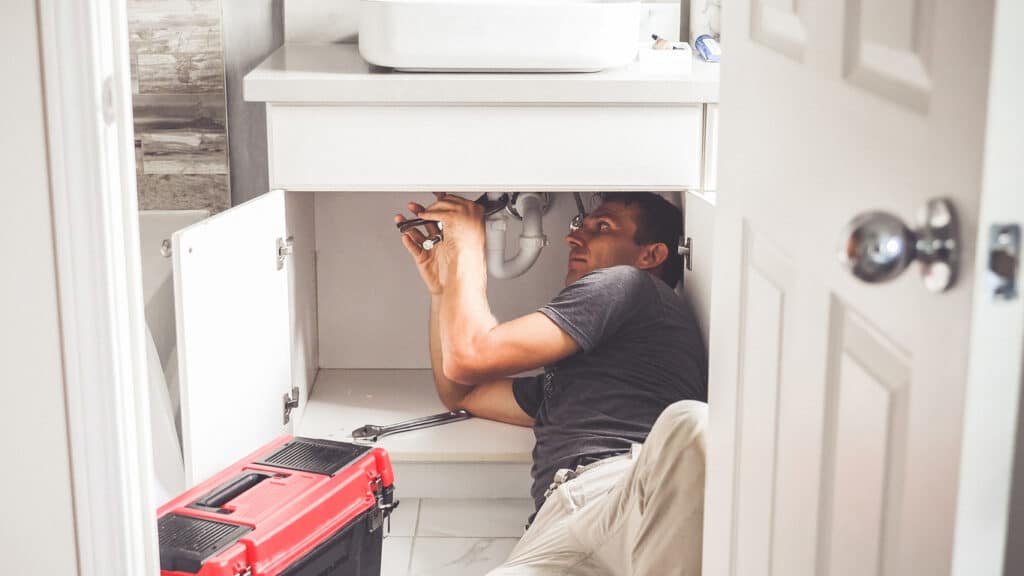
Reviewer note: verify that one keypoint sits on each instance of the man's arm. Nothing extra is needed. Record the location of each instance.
(451, 393)
(475, 348)
(493, 400)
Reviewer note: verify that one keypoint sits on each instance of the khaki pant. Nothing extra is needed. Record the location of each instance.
(630, 515)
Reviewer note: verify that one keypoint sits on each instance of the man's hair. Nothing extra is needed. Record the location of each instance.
(657, 220)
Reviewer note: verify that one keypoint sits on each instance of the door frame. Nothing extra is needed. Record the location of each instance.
(87, 87)
(989, 511)
(92, 171)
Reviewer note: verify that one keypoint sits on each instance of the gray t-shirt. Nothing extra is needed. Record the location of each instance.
(641, 351)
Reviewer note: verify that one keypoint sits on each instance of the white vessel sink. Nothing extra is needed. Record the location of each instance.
(499, 35)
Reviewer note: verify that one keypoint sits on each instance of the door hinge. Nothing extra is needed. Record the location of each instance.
(285, 248)
(1003, 260)
(291, 402)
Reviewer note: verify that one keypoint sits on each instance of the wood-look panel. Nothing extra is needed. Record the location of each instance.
(866, 426)
(888, 47)
(184, 153)
(184, 191)
(167, 26)
(177, 66)
(163, 112)
(768, 283)
(180, 73)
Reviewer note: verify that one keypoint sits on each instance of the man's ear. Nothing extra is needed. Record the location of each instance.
(653, 255)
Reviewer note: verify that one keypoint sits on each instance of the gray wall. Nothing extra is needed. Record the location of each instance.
(372, 306)
(37, 527)
(252, 30)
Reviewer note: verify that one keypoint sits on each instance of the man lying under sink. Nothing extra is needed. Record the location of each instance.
(618, 413)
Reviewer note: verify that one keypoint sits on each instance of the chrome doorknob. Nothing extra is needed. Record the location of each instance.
(878, 246)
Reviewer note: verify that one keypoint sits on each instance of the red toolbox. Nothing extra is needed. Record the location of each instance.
(295, 507)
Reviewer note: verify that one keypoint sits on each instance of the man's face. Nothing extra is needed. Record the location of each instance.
(605, 239)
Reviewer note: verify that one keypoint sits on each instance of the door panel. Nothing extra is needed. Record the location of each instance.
(234, 351)
(766, 310)
(762, 348)
(863, 482)
(835, 434)
(777, 24)
(888, 48)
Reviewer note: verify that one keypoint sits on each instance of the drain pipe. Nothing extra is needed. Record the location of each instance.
(530, 206)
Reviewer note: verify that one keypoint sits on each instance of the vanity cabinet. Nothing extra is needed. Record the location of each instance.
(259, 290)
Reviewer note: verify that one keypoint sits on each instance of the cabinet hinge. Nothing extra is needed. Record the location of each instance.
(291, 402)
(285, 248)
(686, 251)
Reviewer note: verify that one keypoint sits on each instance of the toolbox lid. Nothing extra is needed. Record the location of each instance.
(187, 542)
(317, 456)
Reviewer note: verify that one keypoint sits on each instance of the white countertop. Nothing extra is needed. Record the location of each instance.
(336, 74)
(343, 400)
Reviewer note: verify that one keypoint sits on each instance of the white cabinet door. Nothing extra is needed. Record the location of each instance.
(835, 405)
(234, 348)
(699, 229)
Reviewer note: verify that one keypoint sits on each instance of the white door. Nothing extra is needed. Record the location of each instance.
(836, 405)
(234, 333)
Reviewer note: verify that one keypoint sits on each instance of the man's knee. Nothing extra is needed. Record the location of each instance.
(680, 427)
(687, 411)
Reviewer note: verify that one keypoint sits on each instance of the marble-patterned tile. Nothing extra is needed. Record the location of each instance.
(458, 556)
(403, 519)
(395, 556)
(484, 518)
(180, 73)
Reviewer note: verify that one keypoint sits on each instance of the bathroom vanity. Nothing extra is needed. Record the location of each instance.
(298, 314)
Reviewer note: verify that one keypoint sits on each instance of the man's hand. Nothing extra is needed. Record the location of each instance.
(427, 261)
(462, 221)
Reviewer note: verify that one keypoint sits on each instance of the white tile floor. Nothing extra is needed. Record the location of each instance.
(452, 537)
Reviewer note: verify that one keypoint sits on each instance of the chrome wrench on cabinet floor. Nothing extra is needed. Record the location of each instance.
(373, 432)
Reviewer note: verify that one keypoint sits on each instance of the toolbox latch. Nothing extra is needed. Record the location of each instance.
(386, 503)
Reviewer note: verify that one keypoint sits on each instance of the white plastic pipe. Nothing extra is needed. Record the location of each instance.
(531, 241)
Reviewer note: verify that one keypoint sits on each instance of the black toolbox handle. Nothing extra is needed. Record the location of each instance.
(221, 495)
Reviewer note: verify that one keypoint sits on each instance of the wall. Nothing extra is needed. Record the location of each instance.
(373, 308)
(252, 30)
(37, 527)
